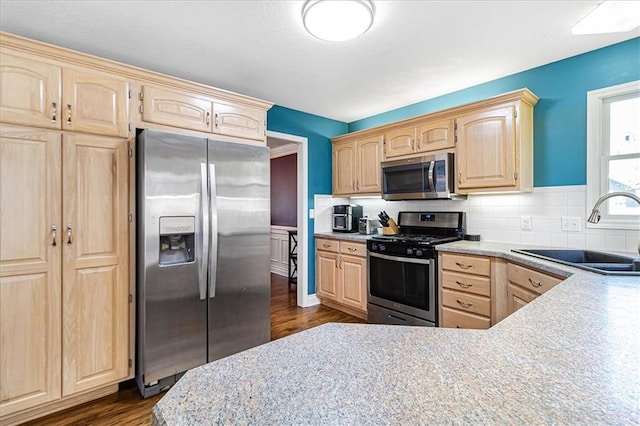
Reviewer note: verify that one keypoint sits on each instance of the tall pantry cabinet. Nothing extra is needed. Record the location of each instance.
(67, 150)
(64, 233)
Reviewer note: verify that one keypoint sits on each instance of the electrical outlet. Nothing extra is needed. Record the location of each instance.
(525, 222)
(570, 224)
(312, 214)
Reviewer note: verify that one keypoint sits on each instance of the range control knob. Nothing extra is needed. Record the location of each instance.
(374, 247)
(409, 251)
(381, 247)
(418, 252)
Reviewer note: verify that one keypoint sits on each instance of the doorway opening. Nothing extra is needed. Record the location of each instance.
(290, 144)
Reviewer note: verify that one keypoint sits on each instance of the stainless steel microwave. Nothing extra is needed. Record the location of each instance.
(420, 178)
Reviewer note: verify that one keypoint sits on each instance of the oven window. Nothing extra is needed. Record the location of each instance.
(340, 222)
(404, 179)
(400, 282)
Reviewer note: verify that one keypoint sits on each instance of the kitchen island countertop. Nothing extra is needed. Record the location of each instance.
(572, 356)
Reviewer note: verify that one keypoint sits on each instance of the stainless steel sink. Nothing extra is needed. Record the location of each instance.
(594, 261)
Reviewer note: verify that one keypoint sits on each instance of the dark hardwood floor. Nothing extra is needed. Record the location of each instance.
(127, 407)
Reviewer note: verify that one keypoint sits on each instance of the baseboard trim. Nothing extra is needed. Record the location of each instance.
(58, 405)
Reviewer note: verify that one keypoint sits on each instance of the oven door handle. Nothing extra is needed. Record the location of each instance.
(402, 259)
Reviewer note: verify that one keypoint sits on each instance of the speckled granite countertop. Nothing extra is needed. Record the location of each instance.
(349, 236)
(572, 356)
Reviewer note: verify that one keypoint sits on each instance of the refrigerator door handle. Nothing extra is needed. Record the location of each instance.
(213, 252)
(204, 237)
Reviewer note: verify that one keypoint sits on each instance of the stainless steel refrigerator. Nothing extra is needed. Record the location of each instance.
(203, 281)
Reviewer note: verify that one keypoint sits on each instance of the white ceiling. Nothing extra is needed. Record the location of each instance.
(414, 51)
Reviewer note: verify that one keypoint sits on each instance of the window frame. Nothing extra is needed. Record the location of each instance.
(596, 182)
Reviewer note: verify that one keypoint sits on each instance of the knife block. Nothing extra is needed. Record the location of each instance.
(392, 229)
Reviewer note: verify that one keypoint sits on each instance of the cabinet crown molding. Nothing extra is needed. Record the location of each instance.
(523, 95)
(72, 57)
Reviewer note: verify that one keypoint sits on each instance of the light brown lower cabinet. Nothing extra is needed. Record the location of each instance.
(64, 268)
(466, 296)
(341, 275)
(453, 318)
(525, 284)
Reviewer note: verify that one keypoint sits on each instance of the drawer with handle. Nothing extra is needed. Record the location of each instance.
(327, 245)
(530, 279)
(467, 283)
(355, 249)
(452, 318)
(466, 302)
(467, 264)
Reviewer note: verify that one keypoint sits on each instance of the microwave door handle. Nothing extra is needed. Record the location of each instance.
(204, 235)
(430, 181)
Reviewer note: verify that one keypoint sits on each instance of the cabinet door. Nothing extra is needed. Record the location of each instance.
(30, 91)
(368, 156)
(353, 280)
(344, 168)
(176, 109)
(326, 275)
(399, 142)
(517, 297)
(95, 262)
(239, 121)
(433, 136)
(30, 294)
(95, 102)
(486, 152)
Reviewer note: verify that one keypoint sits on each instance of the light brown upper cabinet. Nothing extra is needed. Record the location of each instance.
(177, 108)
(41, 93)
(239, 121)
(356, 165)
(344, 168)
(494, 150)
(31, 91)
(401, 141)
(430, 135)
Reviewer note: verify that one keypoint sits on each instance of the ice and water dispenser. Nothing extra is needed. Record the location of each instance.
(177, 237)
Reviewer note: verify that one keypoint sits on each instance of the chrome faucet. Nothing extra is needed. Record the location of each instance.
(595, 213)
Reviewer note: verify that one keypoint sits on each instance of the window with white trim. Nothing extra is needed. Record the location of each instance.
(613, 153)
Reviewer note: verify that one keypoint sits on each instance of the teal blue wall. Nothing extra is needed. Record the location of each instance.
(559, 117)
(319, 131)
(560, 140)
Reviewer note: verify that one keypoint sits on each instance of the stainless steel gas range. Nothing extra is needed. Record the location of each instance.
(403, 270)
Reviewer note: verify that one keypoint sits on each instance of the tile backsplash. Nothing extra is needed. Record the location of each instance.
(497, 217)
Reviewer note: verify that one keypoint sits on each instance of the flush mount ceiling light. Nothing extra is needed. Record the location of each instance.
(610, 17)
(335, 20)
